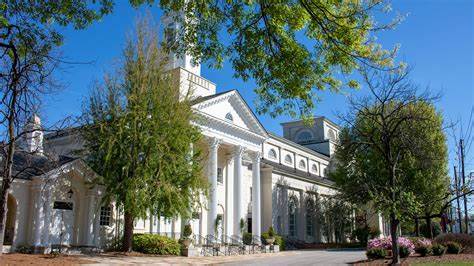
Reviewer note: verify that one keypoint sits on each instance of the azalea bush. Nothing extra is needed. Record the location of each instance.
(386, 243)
(438, 249)
(423, 246)
(466, 241)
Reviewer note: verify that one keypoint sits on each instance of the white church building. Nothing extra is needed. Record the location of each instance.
(264, 179)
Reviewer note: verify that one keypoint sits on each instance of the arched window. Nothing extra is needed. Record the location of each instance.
(272, 154)
(292, 205)
(331, 135)
(304, 136)
(302, 164)
(314, 168)
(288, 159)
(229, 117)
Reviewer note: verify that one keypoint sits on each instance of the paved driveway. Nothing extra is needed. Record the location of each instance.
(299, 257)
(307, 257)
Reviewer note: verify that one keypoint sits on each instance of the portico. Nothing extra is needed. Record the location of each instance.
(234, 144)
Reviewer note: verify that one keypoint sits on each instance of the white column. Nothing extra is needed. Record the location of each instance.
(212, 175)
(151, 223)
(239, 150)
(47, 216)
(96, 224)
(89, 230)
(38, 214)
(228, 201)
(302, 218)
(256, 217)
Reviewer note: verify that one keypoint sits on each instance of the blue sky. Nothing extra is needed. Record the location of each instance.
(436, 38)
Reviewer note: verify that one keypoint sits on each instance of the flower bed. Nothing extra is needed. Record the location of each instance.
(406, 247)
(386, 243)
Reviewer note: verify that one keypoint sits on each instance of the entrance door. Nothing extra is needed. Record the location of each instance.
(62, 223)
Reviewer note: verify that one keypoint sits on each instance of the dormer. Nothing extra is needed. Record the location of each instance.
(321, 136)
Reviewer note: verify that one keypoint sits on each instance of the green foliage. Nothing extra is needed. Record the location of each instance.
(404, 251)
(247, 238)
(24, 249)
(361, 234)
(139, 136)
(423, 250)
(290, 48)
(388, 153)
(425, 230)
(31, 29)
(376, 253)
(466, 241)
(280, 241)
(271, 232)
(453, 247)
(242, 225)
(394, 150)
(438, 249)
(155, 244)
(187, 231)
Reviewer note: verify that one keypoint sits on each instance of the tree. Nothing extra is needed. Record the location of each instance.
(29, 37)
(141, 140)
(290, 48)
(430, 172)
(386, 138)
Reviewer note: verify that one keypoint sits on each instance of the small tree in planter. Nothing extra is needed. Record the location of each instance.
(271, 236)
(187, 232)
(242, 226)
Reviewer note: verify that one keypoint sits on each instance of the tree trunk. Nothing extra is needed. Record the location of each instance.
(417, 227)
(394, 234)
(7, 170)
(3, 212)
(429, 226)
(127, 232)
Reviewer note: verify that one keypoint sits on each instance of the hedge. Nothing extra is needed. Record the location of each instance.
(155, 244)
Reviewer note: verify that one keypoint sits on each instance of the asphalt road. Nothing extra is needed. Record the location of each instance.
(307, 257)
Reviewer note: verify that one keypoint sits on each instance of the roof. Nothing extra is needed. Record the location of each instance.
(259, 125)
(314, 118)
(27, 165)
(298, 146)
(201, 99)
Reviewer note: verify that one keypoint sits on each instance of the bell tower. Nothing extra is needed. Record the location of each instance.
(186, 74)
(173, 30)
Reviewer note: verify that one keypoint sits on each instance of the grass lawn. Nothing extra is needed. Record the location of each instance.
(447, 259)
(450, 263)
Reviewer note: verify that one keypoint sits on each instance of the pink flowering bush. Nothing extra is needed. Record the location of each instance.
(382, 242)
(422, 242)
(386, 243)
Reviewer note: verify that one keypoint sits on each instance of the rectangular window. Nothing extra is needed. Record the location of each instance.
(309, 225)
(292, 224)
(249, 225)
(61, 205)
(105, 215)
(220, 177)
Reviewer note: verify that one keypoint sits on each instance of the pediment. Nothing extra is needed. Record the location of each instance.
(229, 107)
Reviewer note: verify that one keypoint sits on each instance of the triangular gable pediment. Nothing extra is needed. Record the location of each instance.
(231, 108)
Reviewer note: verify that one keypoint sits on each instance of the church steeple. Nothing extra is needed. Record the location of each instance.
(173, 29)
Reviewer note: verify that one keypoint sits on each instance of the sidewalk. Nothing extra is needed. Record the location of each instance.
(112, 259)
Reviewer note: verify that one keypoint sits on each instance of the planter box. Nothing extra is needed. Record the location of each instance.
(271, 249)
(190, 252)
